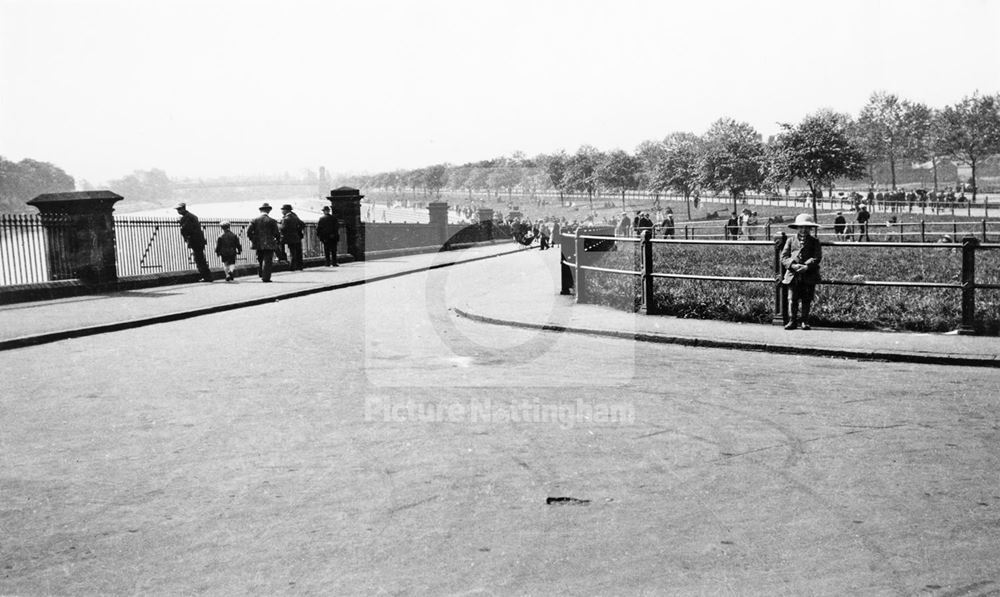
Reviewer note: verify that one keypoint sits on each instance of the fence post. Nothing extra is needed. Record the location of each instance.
(984, 231)
(780, 294)
(80, 224)
(648, 301)
(579, 283)
(923, 231)
(565, 273)
(969, 245)
(767, 231)
(686, 232)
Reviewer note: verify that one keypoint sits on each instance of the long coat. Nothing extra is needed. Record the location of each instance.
(292, 229)
(328, 229)
(806, 252)
(263, 233)
(191, 231)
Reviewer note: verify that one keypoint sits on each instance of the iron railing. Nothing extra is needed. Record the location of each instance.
(576, 249)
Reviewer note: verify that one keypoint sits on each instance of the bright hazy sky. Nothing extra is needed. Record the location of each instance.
(218, 88)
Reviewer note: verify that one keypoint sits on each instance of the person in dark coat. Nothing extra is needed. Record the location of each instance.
(265, 236)
(227, 248)
(328, 233)
(801, 257)
(863, 217)
(839, 225)
(292, 231)
(194, 237)
(732, 227)
(668, 224)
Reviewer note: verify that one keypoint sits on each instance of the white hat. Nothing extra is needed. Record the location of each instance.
(803, 220)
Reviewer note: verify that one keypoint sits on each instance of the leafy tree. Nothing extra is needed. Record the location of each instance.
(144, 185)
(778, 172)
(925, 135)
(506, 174)
(619, 170)
(732, 158)
(679, 168)
(649, 154)
(888, 126)
(819, 149)
(22, 181)
(435, 178)
(970, 131)
(581, 171)
(555, 168)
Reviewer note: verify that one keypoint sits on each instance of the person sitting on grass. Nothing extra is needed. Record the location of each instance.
(801, 257)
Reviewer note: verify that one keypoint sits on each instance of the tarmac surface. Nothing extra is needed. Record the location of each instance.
(519, 302)
(365, 439)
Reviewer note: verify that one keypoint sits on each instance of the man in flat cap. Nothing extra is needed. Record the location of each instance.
(328, 232)
(194, 237)
(265, 237)
(292, 231)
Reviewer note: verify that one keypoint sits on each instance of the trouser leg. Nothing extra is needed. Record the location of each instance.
(202, 263)
(265, 257)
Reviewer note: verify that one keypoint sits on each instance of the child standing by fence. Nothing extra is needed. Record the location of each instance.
(801, 257)
(227, 248)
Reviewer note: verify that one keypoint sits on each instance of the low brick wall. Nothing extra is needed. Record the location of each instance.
(70, 288)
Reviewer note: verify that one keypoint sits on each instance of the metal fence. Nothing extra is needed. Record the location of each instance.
(27, 251)
(155, 245)
(577, 248)
(922, 231)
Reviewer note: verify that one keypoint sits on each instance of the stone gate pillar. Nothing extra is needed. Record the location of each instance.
(80, 234)
(438, 212)
(346, 205)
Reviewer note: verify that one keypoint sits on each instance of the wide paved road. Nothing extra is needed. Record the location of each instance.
(287, 448)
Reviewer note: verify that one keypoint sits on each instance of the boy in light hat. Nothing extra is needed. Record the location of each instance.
(801, 256)
(227, 248)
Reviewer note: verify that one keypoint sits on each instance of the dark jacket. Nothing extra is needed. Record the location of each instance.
(191, 231)
(328, 229)
(228, 245)
(809, 253)
(264, 233)
(292, 229)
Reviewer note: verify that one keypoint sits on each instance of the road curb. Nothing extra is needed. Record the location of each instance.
(844, 353)
(49, 337)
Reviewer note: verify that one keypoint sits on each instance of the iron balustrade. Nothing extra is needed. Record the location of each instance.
(578, 282)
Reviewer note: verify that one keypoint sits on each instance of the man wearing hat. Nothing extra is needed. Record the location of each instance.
(328, 232)
(292, 231)
(194, 237)
(265, 237)
(801, 256)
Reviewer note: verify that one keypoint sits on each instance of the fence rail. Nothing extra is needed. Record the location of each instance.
(575, 247)
(147, 245)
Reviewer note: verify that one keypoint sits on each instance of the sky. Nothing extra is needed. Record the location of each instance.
(213, 88)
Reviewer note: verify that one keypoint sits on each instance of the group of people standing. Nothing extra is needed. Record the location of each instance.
(269, 238)
(745, 226)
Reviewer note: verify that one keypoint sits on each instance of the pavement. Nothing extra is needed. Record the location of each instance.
(40, 322)
(515, 300)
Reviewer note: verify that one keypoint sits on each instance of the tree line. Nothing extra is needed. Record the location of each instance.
(732, 158)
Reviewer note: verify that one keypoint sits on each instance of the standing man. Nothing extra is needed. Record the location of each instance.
(863, 217)
(732, 227)
(194, 236)
(265, 236)
(328, 232)
(839, 224)
(668, 224)
(292, 231)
